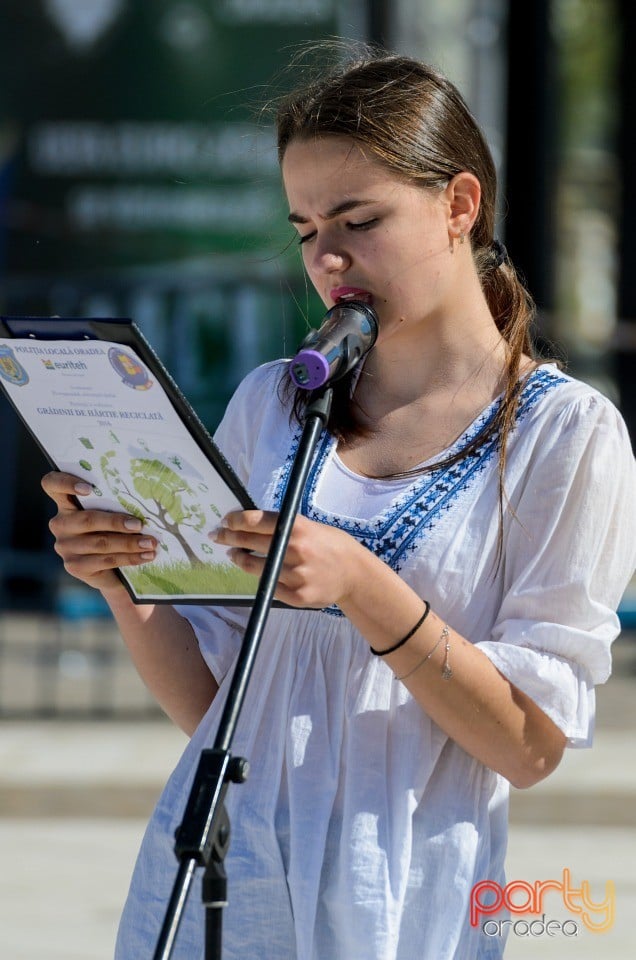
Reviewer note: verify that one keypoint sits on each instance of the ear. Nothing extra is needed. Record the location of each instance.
(463, 195)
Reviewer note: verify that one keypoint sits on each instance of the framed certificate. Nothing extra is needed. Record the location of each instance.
(101, 405)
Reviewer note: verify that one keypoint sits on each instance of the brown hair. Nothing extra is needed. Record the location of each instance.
(417, 124)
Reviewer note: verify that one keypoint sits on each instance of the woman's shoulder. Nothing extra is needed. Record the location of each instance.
(560, 413)
(563, 396)
(261, 392)
(257, 414)
(267, 375)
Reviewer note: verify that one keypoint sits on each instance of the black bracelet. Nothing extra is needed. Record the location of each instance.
(396, 646)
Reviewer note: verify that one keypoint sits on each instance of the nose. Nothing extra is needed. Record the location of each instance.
(329, 256)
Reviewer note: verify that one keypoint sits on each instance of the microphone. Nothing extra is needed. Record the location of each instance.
(348, 332)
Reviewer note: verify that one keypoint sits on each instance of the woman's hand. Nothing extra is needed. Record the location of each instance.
(320, 564)
(92, 543)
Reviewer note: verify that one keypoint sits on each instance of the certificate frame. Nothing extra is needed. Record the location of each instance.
(227, 584)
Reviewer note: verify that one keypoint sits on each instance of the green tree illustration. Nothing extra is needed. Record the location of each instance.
(158, 494)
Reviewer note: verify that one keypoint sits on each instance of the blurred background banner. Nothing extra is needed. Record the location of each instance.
(138, 178)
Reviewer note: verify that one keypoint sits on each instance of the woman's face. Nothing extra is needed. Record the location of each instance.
(367, 234)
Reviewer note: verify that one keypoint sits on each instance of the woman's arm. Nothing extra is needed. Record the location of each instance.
(165, 652)
(163, 647)
(477, 707)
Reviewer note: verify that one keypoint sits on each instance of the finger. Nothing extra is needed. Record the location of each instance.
(106, 544)
(291, 580)
(245, 540)
(90, 566)
(71, 523)
(253, 530)
(63, 488)
(254, 521)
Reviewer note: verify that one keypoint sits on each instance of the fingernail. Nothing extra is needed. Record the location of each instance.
(214, 533)
(132, 523)
(147, 556)
(83, 488)
(145, 542)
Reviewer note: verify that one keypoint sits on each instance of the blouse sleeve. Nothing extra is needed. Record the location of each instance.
(569, 551)
(249, 411)
(219, 632)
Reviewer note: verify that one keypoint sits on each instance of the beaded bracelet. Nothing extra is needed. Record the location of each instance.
(400, 643)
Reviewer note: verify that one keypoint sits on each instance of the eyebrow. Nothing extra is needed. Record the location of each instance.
(343, 207)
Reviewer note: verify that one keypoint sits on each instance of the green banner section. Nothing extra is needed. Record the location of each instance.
(138, 174)
(139, 127)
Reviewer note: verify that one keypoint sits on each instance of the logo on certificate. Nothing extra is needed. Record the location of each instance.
(11, 369)
(129, 369)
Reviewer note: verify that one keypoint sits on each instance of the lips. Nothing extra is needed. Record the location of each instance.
(342, 294)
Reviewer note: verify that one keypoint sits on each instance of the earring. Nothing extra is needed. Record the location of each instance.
(451, 244)
(462, 236)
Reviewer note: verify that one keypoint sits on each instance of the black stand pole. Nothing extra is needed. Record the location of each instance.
(204, 835)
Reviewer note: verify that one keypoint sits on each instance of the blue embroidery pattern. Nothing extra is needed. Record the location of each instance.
(396, 532)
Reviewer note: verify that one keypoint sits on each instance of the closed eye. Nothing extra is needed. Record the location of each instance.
(365, 225)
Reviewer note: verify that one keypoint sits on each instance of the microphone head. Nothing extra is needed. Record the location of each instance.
(309, 369)
(346, 335)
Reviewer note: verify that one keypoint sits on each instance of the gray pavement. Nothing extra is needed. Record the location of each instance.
(74, 797)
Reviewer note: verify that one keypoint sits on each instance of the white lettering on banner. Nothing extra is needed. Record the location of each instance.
(68, 148)
(141, 208)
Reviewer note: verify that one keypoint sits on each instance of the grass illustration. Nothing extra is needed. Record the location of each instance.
(184, 579)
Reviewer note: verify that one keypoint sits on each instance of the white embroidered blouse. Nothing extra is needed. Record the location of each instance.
(362, 827)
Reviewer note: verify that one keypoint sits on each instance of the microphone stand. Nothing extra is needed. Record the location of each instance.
(203, 837)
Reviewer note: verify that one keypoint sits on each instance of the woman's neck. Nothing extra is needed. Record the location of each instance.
(415, 365)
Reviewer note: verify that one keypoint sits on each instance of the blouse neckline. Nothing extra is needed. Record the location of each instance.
(464, 438)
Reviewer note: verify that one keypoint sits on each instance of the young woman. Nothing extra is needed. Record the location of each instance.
(467, 532)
